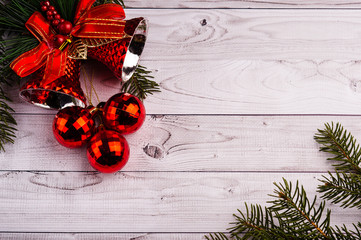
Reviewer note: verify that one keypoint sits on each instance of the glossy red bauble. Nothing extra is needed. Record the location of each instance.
(65, 27)
(44, 8)
(124, 113)
(55, 22)
(108, 151)
(58, 39)
(73, 126)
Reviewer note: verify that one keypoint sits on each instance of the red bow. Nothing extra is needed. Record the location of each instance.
(104, 21)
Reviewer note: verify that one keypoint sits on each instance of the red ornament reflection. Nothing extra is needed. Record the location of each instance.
(73, 126)
(124, 113)
(108, 151)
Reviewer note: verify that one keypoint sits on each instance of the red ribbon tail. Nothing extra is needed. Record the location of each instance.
(55, 66)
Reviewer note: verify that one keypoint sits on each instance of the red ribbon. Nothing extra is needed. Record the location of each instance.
(43, 54)
(104, 21)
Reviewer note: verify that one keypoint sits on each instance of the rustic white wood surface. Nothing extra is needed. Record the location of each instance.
(243, 93)
(243, 4)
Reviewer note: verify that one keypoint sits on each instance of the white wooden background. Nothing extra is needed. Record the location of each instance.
(245, 85)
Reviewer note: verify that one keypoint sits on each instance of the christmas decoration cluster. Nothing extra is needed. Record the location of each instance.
(98, 31)
(101, 128)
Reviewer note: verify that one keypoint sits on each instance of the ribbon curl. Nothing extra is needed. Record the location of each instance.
(100, 24)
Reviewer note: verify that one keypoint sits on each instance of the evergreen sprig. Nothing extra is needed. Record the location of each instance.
(140, 84)
(7, 121)
(342, 233)
(292, 215)
(120, 2)
(343, 186)
(342, 145)
(340, 187)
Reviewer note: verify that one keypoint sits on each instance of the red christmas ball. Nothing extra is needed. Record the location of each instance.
(50, 18)
(65, 27)
(73, 126)
(55, 22)
(124, 113)
(58, 39)
(108, 151)
(57, 17)
(51, 8)
(46, 3)
(61, 20)
(49, 13)
(44, 8)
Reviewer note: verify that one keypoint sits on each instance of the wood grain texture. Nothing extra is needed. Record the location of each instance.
(98, 236)
(196, 34)
(243, 62)
(189, 143)
(240, 87)
(136, 202)
(211, 140)
(243, 4)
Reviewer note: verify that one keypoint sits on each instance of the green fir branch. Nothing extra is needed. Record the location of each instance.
(140, 84)
(217, 236)
(304, 216)
(290, 216)
(342, 188)
(7, 121)
(337, 141)
(66, 8)
(120, 2)
(259, 223)
(342, 233)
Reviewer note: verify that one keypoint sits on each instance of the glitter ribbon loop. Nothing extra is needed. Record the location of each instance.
(43, 54)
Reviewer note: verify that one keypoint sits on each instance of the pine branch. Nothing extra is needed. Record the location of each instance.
(302, 215)
(140, 84)
(291, 216)
(342, 233)
(342, 188)
(259, 223)
(7, 122)
(99, 2)
(217, 236)
(342, 145)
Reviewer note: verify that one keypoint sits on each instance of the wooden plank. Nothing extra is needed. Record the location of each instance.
(196, 34)
(136, 202)
(189, 143)
(243, 4)
(240, 87)
(216, 68)
(97, 236)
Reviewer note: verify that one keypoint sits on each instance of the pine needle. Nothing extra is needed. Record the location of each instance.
(140, 84)
(342, 145)
(7, 122)
(344, 186)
